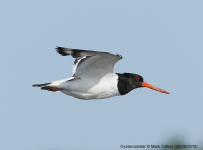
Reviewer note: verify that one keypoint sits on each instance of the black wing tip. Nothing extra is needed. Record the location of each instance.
(63, 51)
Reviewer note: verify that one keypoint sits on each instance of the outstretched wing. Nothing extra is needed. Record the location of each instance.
(90, 64)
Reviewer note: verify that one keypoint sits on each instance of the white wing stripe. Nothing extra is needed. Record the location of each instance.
(76, 64)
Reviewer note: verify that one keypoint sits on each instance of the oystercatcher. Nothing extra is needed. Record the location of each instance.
(94, 76)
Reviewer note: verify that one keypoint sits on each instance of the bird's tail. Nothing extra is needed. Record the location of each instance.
(46, 86)
(40, 85)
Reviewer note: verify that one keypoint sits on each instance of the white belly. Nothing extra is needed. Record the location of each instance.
(86, 89)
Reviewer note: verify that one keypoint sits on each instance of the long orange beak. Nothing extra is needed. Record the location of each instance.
(145, 84)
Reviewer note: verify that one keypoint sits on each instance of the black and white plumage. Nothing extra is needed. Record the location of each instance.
(94, 76)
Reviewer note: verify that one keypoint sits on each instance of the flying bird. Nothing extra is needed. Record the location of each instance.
(94, 76)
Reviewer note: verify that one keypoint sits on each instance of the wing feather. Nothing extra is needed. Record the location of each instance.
(90, 64)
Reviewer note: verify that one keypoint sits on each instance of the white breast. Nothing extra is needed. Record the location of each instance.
(87, 89)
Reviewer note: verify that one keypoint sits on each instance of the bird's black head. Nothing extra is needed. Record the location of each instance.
(135, 80)
(129, 81)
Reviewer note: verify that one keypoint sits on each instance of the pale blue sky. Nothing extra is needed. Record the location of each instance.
(160, 40)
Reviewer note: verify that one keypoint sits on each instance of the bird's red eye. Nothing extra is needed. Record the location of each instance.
(137, 79)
